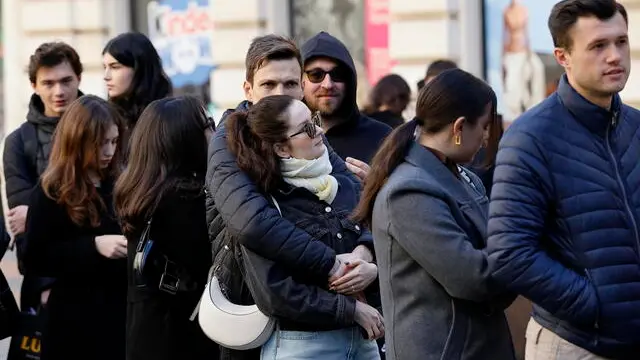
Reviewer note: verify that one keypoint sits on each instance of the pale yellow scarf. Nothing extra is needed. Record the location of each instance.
(313, 175)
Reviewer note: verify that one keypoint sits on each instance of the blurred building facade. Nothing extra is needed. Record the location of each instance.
(418, 32)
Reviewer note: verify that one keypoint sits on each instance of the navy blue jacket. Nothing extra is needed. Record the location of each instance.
(563, 221)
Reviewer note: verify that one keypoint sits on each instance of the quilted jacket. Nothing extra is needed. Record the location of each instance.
(563, 221)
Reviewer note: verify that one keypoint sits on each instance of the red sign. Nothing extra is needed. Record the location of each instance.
(376, 22)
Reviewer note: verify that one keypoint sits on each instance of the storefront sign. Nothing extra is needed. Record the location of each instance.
(181, 31)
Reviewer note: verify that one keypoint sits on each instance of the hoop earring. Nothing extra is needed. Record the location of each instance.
(457, 140)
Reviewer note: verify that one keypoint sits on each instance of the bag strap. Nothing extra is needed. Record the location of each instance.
(29, 135)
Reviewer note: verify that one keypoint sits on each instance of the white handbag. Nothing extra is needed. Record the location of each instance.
(233, 326)
(238, 327)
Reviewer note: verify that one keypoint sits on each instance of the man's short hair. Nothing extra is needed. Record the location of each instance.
(266, 48)
(53, 54)
(566, 13)
(439, 66)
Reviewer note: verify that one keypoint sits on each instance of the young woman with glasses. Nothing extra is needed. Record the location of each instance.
(278, 143)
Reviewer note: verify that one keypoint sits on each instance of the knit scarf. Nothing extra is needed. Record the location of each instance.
(313, 175)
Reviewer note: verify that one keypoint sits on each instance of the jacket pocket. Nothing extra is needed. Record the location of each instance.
(596, 324)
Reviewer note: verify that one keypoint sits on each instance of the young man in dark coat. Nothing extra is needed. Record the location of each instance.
(54, 72)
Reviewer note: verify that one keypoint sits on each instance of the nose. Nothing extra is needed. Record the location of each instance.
(279, 90)
(58, 89)
(109, 150)
(107, 74)
(614, 54)
(319, 131)
(327, 82)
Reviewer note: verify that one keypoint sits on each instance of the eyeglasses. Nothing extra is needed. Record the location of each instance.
(310, 127)
(337, 74)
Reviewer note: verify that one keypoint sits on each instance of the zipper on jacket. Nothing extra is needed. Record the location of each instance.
(450, 335)
(632, 217)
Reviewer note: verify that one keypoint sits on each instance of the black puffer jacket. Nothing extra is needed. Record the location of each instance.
(253, 220)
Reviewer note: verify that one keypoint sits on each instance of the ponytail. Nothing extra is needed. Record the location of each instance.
(389, 156)
(254, 156)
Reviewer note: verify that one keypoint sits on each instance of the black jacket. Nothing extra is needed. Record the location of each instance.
(253, 220)
(301, 300)
(87, 304)
(387, 117)
(25, 157)
(358, 136)
(158, 325)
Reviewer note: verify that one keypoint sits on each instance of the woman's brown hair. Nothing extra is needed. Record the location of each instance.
(169, 151)
(450, 95)
(252, 135)
(75, 156)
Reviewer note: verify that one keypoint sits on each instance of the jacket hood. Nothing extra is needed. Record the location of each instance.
(325, 45)
(36, 112)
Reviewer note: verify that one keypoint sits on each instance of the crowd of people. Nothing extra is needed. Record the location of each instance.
(361, 234)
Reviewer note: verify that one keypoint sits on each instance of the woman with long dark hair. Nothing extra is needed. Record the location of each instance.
(428, 215)
(73, 236)
(133, 75)
(279, 144)
(161, 192)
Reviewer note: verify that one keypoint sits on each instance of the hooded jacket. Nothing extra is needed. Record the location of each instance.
(26, 152)
(358, 136)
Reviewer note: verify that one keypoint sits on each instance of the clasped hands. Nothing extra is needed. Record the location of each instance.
(355, 272)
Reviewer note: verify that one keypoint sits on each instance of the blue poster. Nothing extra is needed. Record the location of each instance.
(181, 31)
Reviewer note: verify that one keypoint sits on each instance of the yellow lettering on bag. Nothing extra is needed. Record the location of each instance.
(29, 344)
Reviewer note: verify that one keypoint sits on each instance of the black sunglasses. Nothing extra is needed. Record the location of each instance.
(317, 75)
(310, 127)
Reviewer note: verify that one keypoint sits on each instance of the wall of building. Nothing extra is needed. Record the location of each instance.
(84, 24)
(419, 32)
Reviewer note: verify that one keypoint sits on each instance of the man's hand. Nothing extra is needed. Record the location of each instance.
(18, 219)
(359, 168)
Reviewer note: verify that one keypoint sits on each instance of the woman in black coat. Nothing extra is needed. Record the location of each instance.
(72, 235)
(162, 191)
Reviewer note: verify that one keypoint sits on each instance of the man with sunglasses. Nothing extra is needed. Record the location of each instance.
(329, 82)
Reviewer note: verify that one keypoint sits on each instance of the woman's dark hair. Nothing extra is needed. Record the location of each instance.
(389, 90)
(75, 156)
(149, 82)
(252, 135)
(450, 95)
(170, 152)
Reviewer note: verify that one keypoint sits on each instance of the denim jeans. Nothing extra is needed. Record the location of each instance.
(343, 344)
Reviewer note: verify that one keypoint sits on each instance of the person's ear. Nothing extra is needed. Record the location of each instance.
(282, 150)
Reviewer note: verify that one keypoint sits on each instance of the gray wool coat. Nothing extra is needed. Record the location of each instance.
(429, 229)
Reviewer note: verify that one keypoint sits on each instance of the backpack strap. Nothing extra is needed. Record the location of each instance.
(29, 135)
